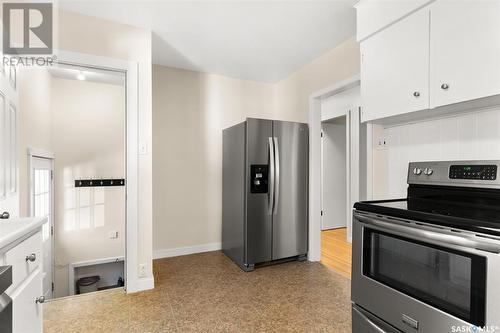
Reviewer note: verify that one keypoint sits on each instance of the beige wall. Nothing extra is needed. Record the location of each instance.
(34, 124)
(190, 109)
(87, 130)
(84, 34)
(292, 93)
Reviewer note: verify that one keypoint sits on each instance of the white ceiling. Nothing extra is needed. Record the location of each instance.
(254, 40)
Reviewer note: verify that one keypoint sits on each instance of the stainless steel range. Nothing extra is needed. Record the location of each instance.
(430, 262)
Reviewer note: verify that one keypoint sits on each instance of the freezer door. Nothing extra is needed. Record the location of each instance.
(258, 226)
(290, 215)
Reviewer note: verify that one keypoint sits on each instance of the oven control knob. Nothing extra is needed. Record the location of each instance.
(417, 171)
(428, 171)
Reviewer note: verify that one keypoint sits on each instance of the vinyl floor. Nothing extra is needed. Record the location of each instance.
(208, 293)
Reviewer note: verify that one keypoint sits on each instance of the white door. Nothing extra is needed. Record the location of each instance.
(465, 51)
(9, 108)
(42, 197)
(395, 68)
(334, 179)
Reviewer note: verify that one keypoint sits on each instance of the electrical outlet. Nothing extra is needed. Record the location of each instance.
(382, 143)
(143, 270)
(113, 234)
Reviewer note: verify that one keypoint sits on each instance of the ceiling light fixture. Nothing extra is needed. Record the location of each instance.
(80, 76)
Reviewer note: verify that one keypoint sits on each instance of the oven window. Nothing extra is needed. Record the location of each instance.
(450, 280)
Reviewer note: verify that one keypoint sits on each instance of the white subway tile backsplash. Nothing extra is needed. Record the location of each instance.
(470, 136)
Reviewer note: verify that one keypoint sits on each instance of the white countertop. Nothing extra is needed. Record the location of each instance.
(15, 228)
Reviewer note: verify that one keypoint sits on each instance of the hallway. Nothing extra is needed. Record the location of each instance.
(336, 251)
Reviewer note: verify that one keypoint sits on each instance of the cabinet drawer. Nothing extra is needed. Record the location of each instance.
(26, 313)
(16, 257)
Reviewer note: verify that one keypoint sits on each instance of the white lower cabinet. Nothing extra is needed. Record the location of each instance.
(26, 311)
(25, 257)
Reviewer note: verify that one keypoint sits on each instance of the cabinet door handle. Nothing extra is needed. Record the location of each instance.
(31, 257)
(4, 216)
(40, 299)
(416, 94)
(445, 86)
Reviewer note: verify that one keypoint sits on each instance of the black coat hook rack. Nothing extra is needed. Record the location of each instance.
(99, 182)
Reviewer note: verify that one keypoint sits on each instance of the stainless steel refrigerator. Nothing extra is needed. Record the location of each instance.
(265, 192)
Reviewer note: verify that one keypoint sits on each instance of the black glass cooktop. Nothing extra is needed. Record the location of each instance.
(467, 209)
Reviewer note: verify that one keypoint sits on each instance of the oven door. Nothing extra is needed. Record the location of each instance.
(419, 277)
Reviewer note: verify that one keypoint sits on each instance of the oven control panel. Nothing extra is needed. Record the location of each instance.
(455, 173)
(477, 172)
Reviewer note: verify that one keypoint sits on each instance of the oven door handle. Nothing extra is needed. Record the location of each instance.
(429, 236)
(371, 323)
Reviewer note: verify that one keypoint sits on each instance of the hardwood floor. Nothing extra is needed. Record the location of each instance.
(336, 251)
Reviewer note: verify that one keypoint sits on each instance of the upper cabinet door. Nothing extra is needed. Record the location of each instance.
(465, 50)
(395, 68)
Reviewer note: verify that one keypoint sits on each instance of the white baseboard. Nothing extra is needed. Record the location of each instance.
(181, 251)
(140, 285)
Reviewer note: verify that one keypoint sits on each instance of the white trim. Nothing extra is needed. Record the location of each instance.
(73, 265)
(314, 253)
(142, 284)
(39, 153)
(35, 152)
(48, 155)
(181, 251)
(130, 68)
(338, 113)
(96, 261)
(348, 163)
(336, 88)
(369, 161)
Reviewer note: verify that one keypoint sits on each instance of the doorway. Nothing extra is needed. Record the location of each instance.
(335, 117)
(82, 188)
(335, 142)
(333, 173)
(42, 205)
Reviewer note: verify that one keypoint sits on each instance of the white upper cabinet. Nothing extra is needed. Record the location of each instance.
(375, 15)
(443, 53)
(465, 50)
(396, 79)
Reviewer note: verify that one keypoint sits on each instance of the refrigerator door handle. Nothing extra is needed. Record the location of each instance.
(277, 175)
(271, 177)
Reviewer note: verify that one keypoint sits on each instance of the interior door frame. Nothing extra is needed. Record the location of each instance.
(133, 282)
(314, 253)
(48, 155)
